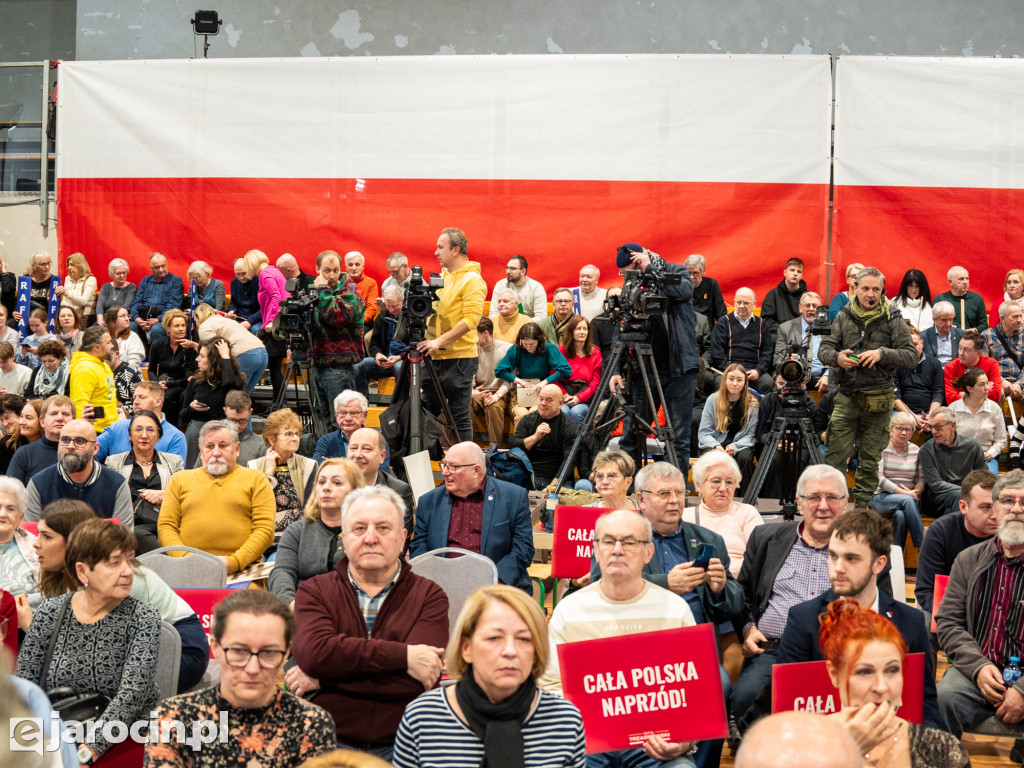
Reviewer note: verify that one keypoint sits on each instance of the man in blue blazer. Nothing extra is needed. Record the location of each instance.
(858, 551)
(942, 317)
(478, 513)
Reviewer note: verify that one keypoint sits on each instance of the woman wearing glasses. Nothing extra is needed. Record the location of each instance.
(148, 471)
(106, 640)
(901, 481)
(291, 475)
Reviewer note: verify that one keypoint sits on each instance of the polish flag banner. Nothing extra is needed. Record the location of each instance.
(558, 158)
(929, 169)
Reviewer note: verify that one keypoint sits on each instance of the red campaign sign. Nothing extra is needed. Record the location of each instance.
(938, 592)
(573, 539)
(632, 687)
(202, 602)
(805, 686)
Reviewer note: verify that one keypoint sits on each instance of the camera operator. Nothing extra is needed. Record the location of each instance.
(451, 335)
(869, 341)
(337, 343)
(796, 333)
(674, 348)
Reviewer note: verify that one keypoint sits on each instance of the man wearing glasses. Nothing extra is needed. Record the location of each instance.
(945, 462)
(980, 622)
(555, 323)
(623, 602)
(252, 633)
(784, 565)
(350, 409)
(530, 295)
(77, 475)
(479, 513)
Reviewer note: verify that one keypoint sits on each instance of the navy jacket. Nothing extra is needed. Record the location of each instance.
(244, 301)
(800, 640)
(931, 343)
(922, 385)
(32, 458)
(506, 535)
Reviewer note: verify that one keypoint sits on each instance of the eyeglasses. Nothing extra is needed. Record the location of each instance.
(666, 495)
(562, 301)
(607, 543)
(291, 434)
(728, 482)
(831, 498)
(349, 413)
(267, 658)
(143, 430)
(607, 476)
(902, 429)
(1011, 502)
(447, 466)
(79, 442)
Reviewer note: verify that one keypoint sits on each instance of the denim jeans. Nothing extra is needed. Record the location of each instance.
(905, 515)
(331, 381)
(577, 413)
(367, 369)
(253, 363)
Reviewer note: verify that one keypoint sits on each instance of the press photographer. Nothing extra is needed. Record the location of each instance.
(670, 326)
(451, 332)
(336, 343)
(801, 332)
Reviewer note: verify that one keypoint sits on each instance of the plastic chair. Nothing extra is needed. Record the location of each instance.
(168, 661)
(200, 570)
(459, 577)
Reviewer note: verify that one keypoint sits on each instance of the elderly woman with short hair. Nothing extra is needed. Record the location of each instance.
(494, 715)
(290, 473)
(20, 573)
(117, 292)
(901, 481)
(208, 290)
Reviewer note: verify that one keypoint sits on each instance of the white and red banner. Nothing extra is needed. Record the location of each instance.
(929, 168)
(938, 592)
(573, 540)
(203, 601)
(632, 687)
(806, 687)
(558, 158)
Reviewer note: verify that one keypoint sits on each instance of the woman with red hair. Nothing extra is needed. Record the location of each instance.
(864, 655)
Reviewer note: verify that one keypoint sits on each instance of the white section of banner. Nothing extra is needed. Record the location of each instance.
(929, 122)
(643, 118)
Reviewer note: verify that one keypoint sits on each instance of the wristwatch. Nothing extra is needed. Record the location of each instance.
(85, 756)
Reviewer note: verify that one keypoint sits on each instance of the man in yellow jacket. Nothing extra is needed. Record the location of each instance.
(92, 381)
(451, 336)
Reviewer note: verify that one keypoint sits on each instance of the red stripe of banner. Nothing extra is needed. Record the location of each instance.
(931, 229)
(746, 231)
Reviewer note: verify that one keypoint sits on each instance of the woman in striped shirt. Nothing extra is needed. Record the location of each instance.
(901, 482)
(495, 715)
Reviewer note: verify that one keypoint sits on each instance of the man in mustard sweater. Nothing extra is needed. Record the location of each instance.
(451, 334)
(92, 381)
(223, 509)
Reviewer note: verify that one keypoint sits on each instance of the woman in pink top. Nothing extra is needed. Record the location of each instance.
(716, 476)
(271, 292)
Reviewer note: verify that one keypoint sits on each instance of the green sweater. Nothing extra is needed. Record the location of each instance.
(970, 304)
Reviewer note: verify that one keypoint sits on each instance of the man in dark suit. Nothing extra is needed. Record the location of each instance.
(478, 513)
(942, 340)
(367, 449)
(858, 551)
(797, 333)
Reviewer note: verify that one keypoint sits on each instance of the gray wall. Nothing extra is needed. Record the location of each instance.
(130, 29)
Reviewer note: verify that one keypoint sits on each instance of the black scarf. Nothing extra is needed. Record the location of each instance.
(499, 726)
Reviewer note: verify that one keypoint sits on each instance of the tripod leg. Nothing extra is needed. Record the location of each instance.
(667, 433)
(767, 458)
(445, 409)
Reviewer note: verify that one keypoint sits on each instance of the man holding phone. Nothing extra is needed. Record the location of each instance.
(92, 381)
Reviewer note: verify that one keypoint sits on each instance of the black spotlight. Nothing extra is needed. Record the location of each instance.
(206, 23)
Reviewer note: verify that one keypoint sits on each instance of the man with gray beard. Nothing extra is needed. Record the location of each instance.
(77, 475)
(980, 621)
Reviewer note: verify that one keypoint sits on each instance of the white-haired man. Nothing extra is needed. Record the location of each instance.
(384, 352)
(506, 316)
(1004, 343)
(350, 411)
(743, 337)
(399, 274)
(968, 306)
(707, 294)
(366, 286)
(588, 298)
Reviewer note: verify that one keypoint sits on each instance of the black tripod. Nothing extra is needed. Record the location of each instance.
(792, 430)
(632, 347)
(408, 384)
(298, 372)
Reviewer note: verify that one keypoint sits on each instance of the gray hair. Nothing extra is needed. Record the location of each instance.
(360, 496)
(355, 253)
(348, 395)
(695, 261)
(948, 413)
(393, 291)
(702, 468)
(1005, 307)
(952, 271)
(660, 470)
(648, 530)
(822, 472)
(16, 488)
(809, 295)
(503, 291)
(869, 272)
(114, 264)
(943, 308)
(1013, 479)
(903, 418)
(212, 426)
(200, 268)
(397, 258)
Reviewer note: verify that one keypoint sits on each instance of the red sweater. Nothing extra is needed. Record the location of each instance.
(584, 369)
(364, 681)
(954, 370)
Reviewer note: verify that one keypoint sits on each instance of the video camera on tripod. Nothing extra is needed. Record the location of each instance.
(293, 324)
(642, 299)
(795, 369)
(419, 305)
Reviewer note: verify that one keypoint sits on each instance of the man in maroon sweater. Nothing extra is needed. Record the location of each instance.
(371, 633)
